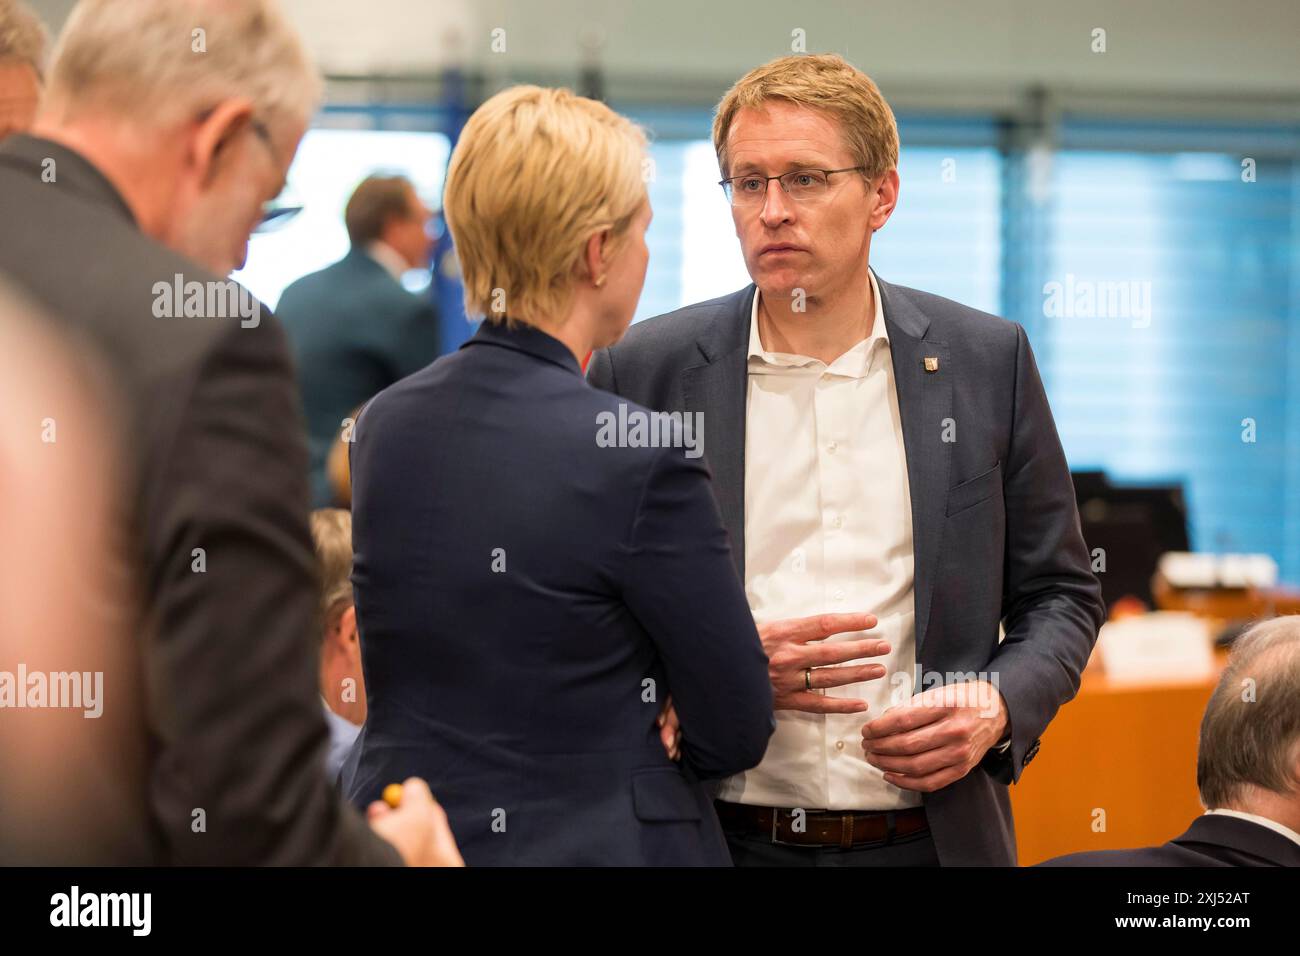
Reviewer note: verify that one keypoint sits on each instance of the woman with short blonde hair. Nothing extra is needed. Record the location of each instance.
(524, 218)
(539, 598)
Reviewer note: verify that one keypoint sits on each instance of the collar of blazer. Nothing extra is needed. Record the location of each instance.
(529, 340)
(1244, 836)
(55, 163)
(718, 386)
(721, 338)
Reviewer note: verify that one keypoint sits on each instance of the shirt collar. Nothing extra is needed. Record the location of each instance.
(388, 257)
(1262, 821)
(855, 363)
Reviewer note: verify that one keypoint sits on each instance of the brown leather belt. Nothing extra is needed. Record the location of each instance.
(840, 828)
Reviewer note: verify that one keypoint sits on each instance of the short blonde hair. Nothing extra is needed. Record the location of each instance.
(825, 82)
(331, 532)
(146, 60)
(535, 173)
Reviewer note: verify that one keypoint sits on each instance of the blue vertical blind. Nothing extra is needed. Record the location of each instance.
(1166, 330)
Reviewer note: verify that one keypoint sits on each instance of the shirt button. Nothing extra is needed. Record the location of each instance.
(839, 594)
(839, 745)
(832, 446)
(839, 521)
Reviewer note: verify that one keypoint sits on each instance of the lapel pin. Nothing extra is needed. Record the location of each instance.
(932, 363)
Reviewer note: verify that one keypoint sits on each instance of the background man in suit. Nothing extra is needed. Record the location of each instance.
(353, 329)
(1247, 766)
(874, 448)
(22, 60)
(150, 165)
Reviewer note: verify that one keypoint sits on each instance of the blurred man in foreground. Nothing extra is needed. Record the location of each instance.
(167, 125)
(1247, 766)
(22, 62)
(64, 646)
(352, 327)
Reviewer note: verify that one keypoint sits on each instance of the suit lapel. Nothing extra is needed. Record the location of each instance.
(924, 402)
(717, 388)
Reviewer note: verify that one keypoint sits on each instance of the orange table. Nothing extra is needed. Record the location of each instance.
(1117, 769)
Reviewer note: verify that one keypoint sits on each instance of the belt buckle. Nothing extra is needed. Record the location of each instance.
(779, 842)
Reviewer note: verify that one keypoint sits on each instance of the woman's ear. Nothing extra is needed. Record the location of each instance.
(214, 131)
(595, 260)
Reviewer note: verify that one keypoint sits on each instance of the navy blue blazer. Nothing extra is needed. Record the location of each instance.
(994, 522)
(353, 330)
(527, 597)
(1212, 840)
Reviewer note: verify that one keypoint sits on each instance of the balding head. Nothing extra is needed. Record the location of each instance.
(1249, 756)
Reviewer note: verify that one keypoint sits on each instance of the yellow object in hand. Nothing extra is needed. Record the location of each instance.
(393, 795)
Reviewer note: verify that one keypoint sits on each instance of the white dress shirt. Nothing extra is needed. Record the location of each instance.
(828, 528)
(389, 258)
(1262, 821)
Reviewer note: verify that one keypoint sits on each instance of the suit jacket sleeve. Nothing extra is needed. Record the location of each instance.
(234, 669)
(680, 583)
(1051, 602)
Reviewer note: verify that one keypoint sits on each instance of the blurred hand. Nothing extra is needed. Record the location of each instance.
(790, 654)
(938, 736)
(418, 827)
(670, 730)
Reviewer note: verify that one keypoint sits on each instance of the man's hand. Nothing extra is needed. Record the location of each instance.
(938, 736)
(794, 663)
(670, 730)
(418, 827)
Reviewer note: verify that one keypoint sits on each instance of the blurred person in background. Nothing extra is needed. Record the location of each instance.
(1247, 764)
(879, 449)
(166, 126)
(353, 329)
(22, 66)
(72, 717)
(529, 594)
(342, 685)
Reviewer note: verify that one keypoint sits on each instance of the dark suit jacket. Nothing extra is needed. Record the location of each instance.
(520, 590)
(353, 331)
(211, 431)
(994, 521)
(1211, 840)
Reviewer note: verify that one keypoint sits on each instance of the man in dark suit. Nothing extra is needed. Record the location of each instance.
(352, 327)
(878, 449)
(121, 212)
(1247, 766)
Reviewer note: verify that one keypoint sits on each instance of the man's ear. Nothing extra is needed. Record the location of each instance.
(216, 130)
(886, 194)
(348, 625)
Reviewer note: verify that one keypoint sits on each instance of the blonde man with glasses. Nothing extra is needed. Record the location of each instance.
(888, 470)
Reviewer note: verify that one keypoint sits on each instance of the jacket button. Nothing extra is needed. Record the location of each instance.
(1029, 754)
